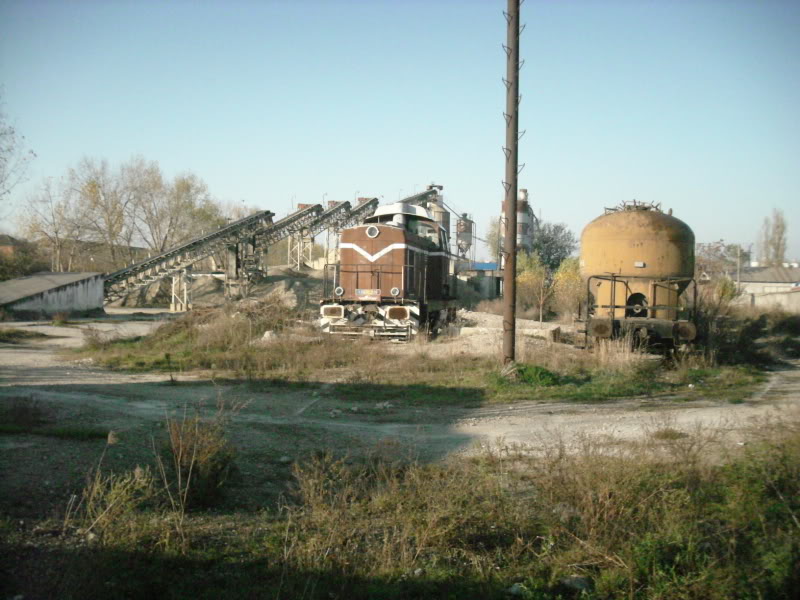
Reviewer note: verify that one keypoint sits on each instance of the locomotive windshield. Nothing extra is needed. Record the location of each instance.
(424, 229)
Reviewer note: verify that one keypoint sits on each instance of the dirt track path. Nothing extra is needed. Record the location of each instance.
(302, 420)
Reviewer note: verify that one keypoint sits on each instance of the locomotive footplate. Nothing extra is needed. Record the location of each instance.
(399, 333)
(385, 321)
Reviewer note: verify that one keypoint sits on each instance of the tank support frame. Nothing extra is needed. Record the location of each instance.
(611, 326)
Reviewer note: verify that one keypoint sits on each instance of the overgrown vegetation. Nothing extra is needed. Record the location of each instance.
(566, 518)
(731, 334)
(229, 342)
(199, 459)
(653, 522)
(677, 514)
(147, 506)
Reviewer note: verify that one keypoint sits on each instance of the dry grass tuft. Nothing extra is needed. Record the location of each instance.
(200, 459)
(660, 519)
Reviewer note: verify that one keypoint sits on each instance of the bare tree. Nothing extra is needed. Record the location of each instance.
(14, 157)
(54, 218)
(153, 218)
(166, 214)
(107, 205)
(106, 213)
(237, 210)
(720, 259)
(772, 240)
(204, 212)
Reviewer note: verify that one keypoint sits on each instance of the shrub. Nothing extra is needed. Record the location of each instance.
(110, 507)
(536, 375)
(200, 460)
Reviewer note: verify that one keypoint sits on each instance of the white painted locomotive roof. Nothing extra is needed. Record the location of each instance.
(399, 208)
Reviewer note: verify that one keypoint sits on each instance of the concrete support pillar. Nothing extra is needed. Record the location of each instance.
(232, 271)
(181, 296)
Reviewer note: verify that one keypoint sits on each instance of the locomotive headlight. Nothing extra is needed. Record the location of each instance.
(333, 312)
(397, 313)
(395, 292)
(372, 231)
(339, 291)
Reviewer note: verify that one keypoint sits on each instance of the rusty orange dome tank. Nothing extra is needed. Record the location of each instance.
(640, 261)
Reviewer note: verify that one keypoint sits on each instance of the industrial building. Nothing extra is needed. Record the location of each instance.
(50, 293)
(771, 287)
(486, 277)
(527, 224)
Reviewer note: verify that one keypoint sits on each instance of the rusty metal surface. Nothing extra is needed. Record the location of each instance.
(638, 263)
(650, 255)
(638, 243)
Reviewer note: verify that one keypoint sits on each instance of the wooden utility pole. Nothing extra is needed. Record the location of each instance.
(510, 182)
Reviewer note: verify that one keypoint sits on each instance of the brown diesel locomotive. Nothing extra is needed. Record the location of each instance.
(393, 279)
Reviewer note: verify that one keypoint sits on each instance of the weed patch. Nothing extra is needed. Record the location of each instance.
(200, 460)
(644, 521)
(662, 526)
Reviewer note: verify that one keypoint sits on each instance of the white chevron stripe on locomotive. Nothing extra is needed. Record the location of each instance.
(386, 250)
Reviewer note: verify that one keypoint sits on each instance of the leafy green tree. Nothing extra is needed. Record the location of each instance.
(569, 287)
(493, 239)
(535, 283)
(554, 242)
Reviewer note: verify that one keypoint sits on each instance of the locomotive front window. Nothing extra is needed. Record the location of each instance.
(425, 230)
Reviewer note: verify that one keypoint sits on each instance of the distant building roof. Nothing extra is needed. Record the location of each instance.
(14, 290)
(771, 275)
(484, 266)
(7, 240)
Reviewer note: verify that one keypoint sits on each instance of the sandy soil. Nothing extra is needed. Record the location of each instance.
(277, 424)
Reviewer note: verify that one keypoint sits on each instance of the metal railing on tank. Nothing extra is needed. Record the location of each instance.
(664, 283)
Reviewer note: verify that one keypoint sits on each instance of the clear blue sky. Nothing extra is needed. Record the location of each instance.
(689, 103)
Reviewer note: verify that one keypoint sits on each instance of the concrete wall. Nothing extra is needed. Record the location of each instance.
(83, 295)
(759, 288)
(788, 301)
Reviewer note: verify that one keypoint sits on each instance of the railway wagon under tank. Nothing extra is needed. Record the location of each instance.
(638, 263)
(393, 279)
